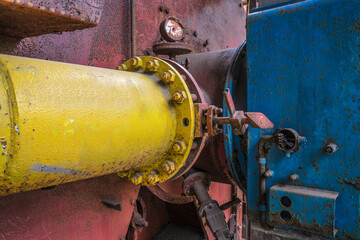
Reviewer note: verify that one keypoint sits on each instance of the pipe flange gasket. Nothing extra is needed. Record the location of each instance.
(174, 159)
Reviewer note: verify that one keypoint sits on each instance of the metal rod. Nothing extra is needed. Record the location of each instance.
(133, 28)
(262, 182)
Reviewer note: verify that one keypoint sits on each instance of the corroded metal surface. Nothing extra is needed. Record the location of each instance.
(27, 18)
(69, 211)
(300, 207)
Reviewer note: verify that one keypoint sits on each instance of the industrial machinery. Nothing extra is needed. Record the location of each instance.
(131, 120)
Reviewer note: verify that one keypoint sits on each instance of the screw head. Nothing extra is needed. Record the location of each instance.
(153, 177)
(168, 77)
(169, 166)
(137, 178)
(152, 65)
(179, 147)
(179, 96)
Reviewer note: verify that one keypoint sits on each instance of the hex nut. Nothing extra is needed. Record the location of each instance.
(168, 77)
(152, 65)
(122, 67)
(179, 147)
(169, 166)
(179, 96)
(136, 62)
(137, 178)
(153, 177)
(293, 177)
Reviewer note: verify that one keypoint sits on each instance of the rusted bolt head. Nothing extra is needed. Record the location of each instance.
(153, 177)
(293, 177)
(137, 178)
(179, 147)
(152, 65)
(122, 67)
(169, 166)
(168, 77)
(179, 96)
(136, 62)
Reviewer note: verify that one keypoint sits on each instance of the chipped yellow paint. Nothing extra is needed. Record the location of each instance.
(64, 122)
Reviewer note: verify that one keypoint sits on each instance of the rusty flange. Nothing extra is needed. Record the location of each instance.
(172, 49)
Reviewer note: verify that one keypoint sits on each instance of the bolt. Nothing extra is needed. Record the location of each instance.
(153, 177)
(168, 77)
(194, 97)
(179, 96)
(269, 173)
(195, 34)
(293, 177)
(140, 222)
(136, 62)
(331, 148)
(152, 65)
(179, 147)
(287, 155)
(169, 166)
(137, 178)
(167, 11)
(161, 8)
(122, 67)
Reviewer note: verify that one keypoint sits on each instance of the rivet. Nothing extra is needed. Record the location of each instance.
(168, 77)
(179, 147)
(169, 166)
(137, 178)
(152, 65)
(179, 96)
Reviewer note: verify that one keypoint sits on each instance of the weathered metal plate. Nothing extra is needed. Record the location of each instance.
(26, 18)
(304, 208)
(304, 73)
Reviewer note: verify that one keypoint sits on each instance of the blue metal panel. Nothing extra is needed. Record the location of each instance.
(301, 207)
(304, 73)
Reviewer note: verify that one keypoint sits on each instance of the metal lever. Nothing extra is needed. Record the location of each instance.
(239, 120)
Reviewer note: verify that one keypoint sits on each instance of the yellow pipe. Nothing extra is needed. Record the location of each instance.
(62, 122)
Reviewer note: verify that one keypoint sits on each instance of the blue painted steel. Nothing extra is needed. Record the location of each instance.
(304, 73)
(302, 207)
(234, 152)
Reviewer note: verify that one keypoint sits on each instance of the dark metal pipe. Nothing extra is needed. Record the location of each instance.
(262, 181)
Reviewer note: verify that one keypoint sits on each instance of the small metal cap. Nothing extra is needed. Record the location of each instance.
(287, 155)
(269, 173)
(293, 177)
(137, 178)
(179, 147)
(169, 166)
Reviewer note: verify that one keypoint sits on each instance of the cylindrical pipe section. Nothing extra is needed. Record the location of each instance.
(62, 122)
